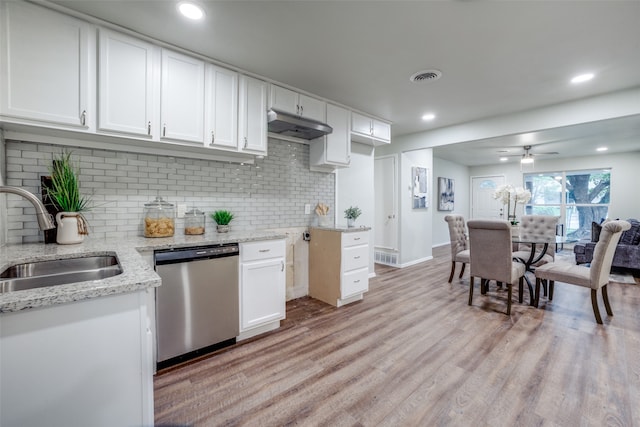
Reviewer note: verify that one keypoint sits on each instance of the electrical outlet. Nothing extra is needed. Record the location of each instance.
(307, 209)
(182, 208)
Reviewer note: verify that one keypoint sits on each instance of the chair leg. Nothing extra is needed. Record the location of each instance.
(453, 270)
(462, 270)
(551, 282)
(509, 292)
(470, 290)
(520, 291)
(605, 297)
(536, 298)
(594, 303)
(484, 286)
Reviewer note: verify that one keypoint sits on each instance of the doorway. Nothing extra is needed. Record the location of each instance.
(483, 205)
(386, 209)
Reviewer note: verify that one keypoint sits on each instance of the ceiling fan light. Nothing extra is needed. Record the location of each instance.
(526, 160)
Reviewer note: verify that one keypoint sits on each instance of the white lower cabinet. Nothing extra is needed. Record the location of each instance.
(338, 265)
(87, 363)
(262, 286)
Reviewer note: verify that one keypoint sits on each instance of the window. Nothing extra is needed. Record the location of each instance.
(577, 197)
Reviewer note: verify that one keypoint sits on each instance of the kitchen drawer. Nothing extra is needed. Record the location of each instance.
(355, 282)
(355, 257)
(356, 238)
(252, 251)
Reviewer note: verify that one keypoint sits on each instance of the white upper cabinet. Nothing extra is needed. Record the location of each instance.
(252, 114)
(292, 102)
(126, 84)
(333, 149)
(182, 97)
(221, 108)
(46, 60)
(369, 131)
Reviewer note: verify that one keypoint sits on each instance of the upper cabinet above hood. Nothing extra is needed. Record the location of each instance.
(296, 126)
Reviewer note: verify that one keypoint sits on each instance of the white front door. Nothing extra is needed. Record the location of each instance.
(386, 210)
(483, 205)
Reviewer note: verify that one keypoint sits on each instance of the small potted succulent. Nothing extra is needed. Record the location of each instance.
(352, 213)
(222, 219)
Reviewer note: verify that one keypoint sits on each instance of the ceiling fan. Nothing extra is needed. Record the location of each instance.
(527, 157)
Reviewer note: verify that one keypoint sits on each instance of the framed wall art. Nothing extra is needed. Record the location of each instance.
(446, 194)
(419, 188)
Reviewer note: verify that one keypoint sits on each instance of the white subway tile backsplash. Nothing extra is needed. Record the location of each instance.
(269, 194)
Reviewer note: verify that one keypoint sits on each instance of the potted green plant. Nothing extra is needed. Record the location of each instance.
(352, 213)
(64, 192)
(222, 219)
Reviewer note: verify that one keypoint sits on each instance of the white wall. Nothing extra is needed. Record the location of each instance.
(416, 225)
(625, 177)
(460, 175)
(354, 187)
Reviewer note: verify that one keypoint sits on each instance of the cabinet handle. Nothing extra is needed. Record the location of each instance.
(246, 143)
(356, 281)
(264, 250)
(149, 128)
(213, 137)
(164, 130)
(297, 109)
(83, 117)
(281, 265)
(356, 238)
(356, 257)
(301, 110)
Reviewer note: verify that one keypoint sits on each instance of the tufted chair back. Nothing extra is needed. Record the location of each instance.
(535, 226)
(603, 252)
(457, 234)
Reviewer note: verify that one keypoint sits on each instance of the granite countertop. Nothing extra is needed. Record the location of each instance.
(136, 275)
(344, 228)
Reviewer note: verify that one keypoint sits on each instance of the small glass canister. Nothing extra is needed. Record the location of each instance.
(159, 218)
(194, 222)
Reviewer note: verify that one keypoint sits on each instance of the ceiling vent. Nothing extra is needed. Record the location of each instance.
(426, 76)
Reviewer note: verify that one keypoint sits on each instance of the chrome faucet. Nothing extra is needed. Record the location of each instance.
(45, 220)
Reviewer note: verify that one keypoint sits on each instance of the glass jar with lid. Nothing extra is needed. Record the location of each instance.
(159, 218)
(194, 222)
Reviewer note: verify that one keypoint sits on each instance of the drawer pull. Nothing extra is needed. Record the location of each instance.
(356, 238)
(356, 281)
(356, 257)
(264, 250)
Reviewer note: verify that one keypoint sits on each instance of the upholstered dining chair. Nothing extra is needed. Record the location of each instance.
(491, 257)
(594, 277)
(459, 243)
(535, 227)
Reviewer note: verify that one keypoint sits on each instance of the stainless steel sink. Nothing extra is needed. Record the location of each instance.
(40, 274)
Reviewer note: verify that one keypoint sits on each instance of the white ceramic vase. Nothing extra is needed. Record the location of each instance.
(72, 228)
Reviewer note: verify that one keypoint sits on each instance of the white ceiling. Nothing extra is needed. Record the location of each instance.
(496, 57)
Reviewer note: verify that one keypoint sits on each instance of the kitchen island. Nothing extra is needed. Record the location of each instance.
(82, 353)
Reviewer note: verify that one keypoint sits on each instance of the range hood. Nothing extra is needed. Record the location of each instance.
(288, 124)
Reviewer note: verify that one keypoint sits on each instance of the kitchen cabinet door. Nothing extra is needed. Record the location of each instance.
(182, 97)
(126, 84)
(262, 292)
(292, 102)
(253, 115)
(222, 107)
(333, 149)
(369, 130)
(47, 60)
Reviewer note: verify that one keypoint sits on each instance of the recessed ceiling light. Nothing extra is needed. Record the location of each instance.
(582, 78)
(504, 159)
(602, 149)
(428, 116)
(190, 10)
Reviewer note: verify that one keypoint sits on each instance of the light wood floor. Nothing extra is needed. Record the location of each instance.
(413, 353)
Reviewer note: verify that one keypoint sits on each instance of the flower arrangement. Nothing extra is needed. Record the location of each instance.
(507, 194)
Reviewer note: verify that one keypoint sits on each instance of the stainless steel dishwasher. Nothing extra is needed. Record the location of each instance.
(197, 305)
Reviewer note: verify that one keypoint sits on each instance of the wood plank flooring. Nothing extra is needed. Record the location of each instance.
(413, 353)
